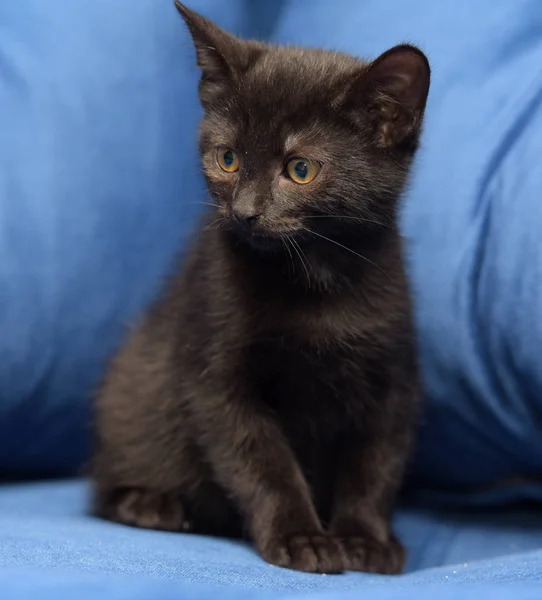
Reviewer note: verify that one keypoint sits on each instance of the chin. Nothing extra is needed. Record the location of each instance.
(264, 242)
(265, 239)
(261, 240)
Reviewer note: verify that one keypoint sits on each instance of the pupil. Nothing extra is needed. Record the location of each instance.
(301, 169)
(228, 158)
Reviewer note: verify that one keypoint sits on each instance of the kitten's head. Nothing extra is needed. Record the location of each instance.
(296, 141)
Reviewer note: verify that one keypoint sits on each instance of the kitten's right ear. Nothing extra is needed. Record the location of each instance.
(219, 54)
(393, 91)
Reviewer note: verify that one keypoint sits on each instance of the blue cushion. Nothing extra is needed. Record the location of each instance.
(473, 217)
(50, 549)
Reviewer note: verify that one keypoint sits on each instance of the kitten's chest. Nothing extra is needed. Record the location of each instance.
(315, 362)
(314, 391)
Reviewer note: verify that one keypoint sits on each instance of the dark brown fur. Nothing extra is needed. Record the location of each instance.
(272, 390)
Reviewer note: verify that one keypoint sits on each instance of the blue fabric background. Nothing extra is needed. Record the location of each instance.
(99, 181)
(99, 186)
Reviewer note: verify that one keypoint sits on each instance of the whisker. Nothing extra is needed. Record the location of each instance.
(300, 253)
(206, 203)
(220, 221)
(358, 219)
(348, 249)
(284, 241)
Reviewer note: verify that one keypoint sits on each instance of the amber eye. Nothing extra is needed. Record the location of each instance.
(302, 170)
(227, 159)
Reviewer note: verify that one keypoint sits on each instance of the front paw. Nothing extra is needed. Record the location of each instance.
(312, 553)
(362, 553)
(148, 509)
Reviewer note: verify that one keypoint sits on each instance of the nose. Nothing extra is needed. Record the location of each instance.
(245, 216)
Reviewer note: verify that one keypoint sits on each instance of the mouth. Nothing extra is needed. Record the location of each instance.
(263, 239)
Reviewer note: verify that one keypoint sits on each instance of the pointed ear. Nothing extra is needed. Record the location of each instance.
(393, 92)
(220, 55)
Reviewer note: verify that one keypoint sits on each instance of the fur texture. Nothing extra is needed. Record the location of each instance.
(271, 392)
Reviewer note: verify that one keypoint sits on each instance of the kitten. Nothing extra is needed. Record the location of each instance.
(272, 390)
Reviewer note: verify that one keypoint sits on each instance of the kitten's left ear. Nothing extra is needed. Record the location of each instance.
(220, 55)
(393, 90)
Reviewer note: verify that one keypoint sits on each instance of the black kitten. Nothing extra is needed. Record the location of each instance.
(272, 390)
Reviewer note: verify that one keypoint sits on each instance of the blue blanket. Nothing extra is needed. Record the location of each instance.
(51, 550)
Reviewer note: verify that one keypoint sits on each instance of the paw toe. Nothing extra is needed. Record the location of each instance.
(150, 510)
(309, 553)
(364, 554)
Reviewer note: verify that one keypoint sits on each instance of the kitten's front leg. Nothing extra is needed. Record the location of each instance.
(252, 460)
(370, 473)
